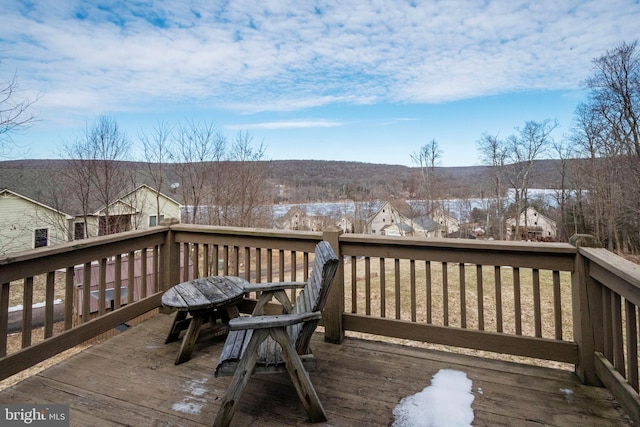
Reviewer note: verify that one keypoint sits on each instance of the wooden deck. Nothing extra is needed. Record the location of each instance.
(131, 379)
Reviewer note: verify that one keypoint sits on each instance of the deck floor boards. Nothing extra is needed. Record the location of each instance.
(131, 379)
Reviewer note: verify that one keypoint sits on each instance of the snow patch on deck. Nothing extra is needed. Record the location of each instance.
(446, 402)
(193, 402)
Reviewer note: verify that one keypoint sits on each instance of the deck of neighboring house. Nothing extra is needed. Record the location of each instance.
(131, 379)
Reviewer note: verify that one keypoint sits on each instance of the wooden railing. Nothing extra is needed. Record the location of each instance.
(539, 300)
(606, 312)
(495, 296)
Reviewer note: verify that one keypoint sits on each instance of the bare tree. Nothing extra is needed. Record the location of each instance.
(531, 143)
(199, 149)
(563, 195)
(157, 153)
(493, 152)
(426, 159)
(95, 173)
(609, 128)
(247, 179)
(14, 110)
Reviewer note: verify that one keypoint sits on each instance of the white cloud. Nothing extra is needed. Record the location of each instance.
(290, 124)
(284, 55)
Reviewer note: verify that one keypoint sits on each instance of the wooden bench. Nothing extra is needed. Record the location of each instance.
(205, 299)
(269, 344)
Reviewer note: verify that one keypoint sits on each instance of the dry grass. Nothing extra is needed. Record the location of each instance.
(454, 301)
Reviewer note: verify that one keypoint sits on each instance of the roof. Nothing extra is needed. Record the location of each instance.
(40, 181)
(7, 191)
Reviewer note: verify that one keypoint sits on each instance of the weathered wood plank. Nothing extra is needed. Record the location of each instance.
(130, 379)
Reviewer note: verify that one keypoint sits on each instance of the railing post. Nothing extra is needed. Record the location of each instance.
(334, 307)
(170, 262)
(587, 318)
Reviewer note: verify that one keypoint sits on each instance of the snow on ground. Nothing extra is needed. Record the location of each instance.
(37, 305)
(446, 402)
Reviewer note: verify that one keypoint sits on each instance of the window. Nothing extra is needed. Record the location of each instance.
(153, 220)
(41, 237)
(78, 231)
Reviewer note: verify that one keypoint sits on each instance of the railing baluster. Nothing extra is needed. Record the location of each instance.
(4, 317)
(631, 320)
(69, 292)
(607, 327)
(517, 300)
(281, 265)
(305, 262)
(497, 274)
(86, 292)
(156, 268)
(412, 270)
(480, 291)
(398, 292)
(293, 274)
(117, 281)
(354, 288)
(537, 309)
(206, 260)
(463, 296)
(216, 257)
(618, 344)
(196, 260)
(367, 286)
(445, 294)
(185, 261)
(247, 263)
(48, 305)
(131, 277)
(27, 311)
(269, 265)
(235, 251)
(225, 257)
(383, 291)
(258, 265)
(102, 285)
(143, 271)
(428, 291)
(557, 304)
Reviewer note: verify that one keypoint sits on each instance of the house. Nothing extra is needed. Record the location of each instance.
(397, 220)
(297, 218)
(27, 224)
(346, 224)
(447, 224)
(533, 226)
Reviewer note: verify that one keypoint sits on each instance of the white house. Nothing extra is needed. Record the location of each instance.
(297, 218)
(137, 209)
(389, 221)
(27, 224)
(533, 226)
(446, 223)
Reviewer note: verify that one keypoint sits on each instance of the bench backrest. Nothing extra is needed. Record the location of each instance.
(314, 295)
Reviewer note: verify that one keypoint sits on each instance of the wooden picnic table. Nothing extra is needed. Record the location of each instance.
(198, 301)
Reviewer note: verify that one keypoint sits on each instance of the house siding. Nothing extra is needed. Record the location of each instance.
(19, 218)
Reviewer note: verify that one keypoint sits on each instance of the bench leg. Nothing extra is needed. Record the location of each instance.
(240, 379)
(300, 377)
(190, 338)
(180, 323)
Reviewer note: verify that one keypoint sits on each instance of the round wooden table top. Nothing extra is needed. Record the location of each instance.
(205, 293)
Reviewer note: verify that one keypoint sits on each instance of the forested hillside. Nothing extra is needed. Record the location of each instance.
(310, 180)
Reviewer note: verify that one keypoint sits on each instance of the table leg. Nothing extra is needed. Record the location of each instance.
(190, 338)
(180, 323)
(232, 312)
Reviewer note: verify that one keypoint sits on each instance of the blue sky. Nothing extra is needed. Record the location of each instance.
(368, 81)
